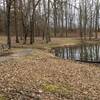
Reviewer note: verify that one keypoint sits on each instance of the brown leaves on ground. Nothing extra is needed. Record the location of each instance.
(56, 79)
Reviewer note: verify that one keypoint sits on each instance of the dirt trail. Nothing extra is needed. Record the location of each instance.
(22, 53)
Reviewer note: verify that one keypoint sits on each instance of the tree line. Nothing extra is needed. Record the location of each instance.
(49, 18)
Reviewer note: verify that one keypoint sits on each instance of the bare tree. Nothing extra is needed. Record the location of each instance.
(8, 6)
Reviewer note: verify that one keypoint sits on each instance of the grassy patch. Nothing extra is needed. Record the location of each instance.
(57, 88)
(50, 88)
(2, 98)
(55, 42)
(91, 42)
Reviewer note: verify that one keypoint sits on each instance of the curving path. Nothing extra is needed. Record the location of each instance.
(22, 53)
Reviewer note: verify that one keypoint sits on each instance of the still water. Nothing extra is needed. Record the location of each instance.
(84, 53)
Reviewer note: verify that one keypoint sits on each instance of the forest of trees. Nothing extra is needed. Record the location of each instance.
(49, 18)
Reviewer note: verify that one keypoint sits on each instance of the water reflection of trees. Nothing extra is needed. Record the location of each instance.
(83, 53)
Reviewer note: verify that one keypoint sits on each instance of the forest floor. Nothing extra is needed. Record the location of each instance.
(33, 73)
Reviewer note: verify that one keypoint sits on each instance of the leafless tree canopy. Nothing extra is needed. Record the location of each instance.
(49, 18)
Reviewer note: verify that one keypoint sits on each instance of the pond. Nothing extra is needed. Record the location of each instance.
(83, 53)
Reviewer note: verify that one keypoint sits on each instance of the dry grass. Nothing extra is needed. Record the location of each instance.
(55, 42)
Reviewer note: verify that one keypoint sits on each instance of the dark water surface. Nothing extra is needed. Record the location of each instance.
(84, 53)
